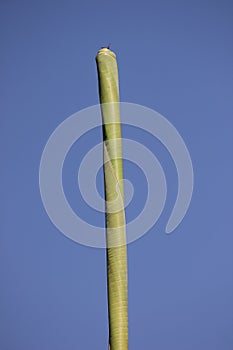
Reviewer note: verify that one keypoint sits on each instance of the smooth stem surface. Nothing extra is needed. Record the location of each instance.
(114, 196)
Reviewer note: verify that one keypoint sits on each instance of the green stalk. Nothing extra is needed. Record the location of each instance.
(114, 199)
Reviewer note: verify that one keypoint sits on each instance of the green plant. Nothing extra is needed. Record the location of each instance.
(114, 199)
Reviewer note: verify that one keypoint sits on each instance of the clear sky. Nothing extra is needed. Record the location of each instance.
(174, 57)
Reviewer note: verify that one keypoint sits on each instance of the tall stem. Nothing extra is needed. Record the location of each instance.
(114, 199)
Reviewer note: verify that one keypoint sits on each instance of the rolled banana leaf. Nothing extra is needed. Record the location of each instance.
(117, 280)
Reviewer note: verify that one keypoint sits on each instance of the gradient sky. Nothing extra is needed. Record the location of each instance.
(174, 57)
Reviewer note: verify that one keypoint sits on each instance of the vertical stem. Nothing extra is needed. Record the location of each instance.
(114, 196)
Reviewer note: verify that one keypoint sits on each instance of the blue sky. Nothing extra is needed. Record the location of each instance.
(174, 57)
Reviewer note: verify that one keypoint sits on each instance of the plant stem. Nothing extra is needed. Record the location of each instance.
(114, 199)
